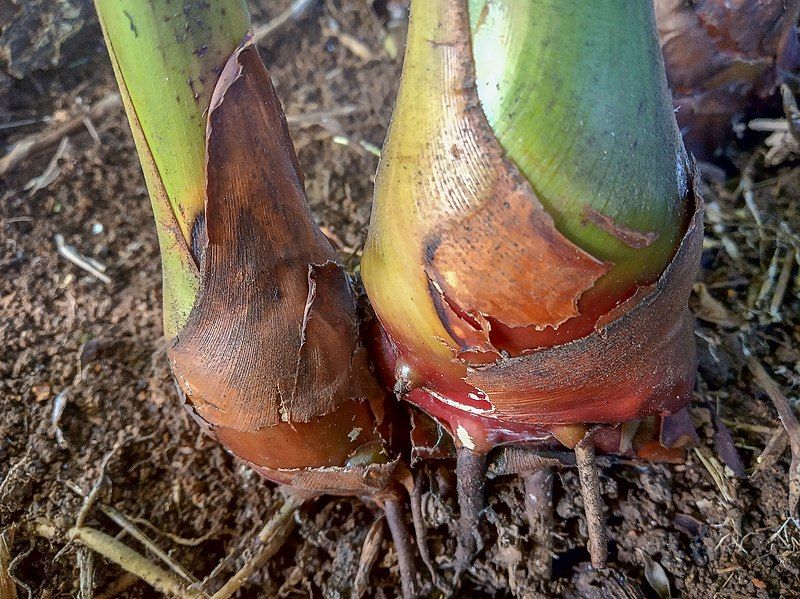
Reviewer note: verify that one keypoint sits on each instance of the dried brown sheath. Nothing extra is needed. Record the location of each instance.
(270, 359)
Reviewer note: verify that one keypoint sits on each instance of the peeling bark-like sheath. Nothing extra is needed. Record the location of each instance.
(640, 362)
(478, 255)
(269, 359)
(262, 327)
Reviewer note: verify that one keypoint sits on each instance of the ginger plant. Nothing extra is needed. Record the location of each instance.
(534, 237)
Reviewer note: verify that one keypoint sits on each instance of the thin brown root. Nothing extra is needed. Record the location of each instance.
(123, 522)
(789, 421)
(471, 474)
(592, 501)
(538, 489)
(91, 497)
(133, 562)
(421, 533)
(777, 444)
(398, 526)
(272, 536)
(369, 555)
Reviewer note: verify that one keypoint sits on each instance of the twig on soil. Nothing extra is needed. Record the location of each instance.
(344, 140)
(133, 562)
(592, 501)
(770, 279)
(24, 123)
(717, 472)
(746, 187)
(369, 555)
(354, 45)
(787, 418)
(747, 426)
(87, 122)
(782, 285)
(51, 172)
(85, 561)
(91, 497)
(137, 534)
(272, 536)
(294, 13)
(41, 141)
(59, 404)
(90, 265)
(774, 449)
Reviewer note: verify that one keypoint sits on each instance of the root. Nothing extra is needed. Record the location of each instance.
(421, 533)
(8, 589)
(137, 534)
(789, 421)
(41, 141)
(592, 501)
(398, 526)
(538, 489)
(161, 580)
(369, 555)
(272, 536)
(471, 474)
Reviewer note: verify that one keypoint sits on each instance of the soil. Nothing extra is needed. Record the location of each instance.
(88, 400)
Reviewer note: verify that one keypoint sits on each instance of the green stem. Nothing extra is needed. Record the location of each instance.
(167, 56)
(576, 94)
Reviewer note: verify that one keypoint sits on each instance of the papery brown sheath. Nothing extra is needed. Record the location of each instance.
(270, 357)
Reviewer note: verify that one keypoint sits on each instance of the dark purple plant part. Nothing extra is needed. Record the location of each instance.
(724, 58)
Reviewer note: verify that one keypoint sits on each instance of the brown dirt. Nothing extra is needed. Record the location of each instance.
(64, 332)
